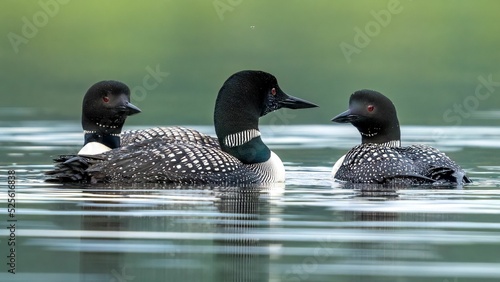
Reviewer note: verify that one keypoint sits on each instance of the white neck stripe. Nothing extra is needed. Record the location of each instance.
(93, 131)
(240, 138)
(392, 143)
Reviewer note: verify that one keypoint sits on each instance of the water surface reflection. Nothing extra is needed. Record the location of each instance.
(311, 229)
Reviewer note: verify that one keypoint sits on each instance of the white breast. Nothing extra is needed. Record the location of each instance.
(93, 148)
(270, 171)
(337, 165)
(277, 168)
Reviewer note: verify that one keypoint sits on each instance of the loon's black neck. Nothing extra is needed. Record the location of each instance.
(241, 141)
(238, 119)
(254, 151)
(105, 132)
(110, 140)
(381, 135)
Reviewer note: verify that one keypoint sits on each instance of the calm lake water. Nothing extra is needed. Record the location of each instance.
(310, 229)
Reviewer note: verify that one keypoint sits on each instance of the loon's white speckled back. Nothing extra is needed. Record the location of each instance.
(415, 164)
(168, 134)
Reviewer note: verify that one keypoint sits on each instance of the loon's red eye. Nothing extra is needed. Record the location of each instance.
(105, 99)
(273, 91)
(370, 108)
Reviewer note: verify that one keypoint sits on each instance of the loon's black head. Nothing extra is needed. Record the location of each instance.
(105, 107)
(374, 115)
(244, 97)
(248, 95)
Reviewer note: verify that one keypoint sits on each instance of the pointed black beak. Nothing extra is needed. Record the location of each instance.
(345, 117)
(296, 103)
(131, 109)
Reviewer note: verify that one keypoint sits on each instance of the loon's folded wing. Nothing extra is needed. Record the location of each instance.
(435, 164)
(412, 177)
(71, 168)
(448, 174)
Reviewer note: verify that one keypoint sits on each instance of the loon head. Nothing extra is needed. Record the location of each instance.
(105, 107)
(243, 98)
(374, 115)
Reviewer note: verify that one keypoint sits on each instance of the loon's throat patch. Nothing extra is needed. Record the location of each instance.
(240, 138)
(368, 134)
(106, 126)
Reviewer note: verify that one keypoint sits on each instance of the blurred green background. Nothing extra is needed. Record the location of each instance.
(427, 57)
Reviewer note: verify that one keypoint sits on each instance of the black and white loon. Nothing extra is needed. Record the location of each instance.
(105, 107)
(185, 156)
(380, 158)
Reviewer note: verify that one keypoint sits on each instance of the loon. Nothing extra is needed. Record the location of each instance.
(178, 155)
(105, 108)
(380, 158)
